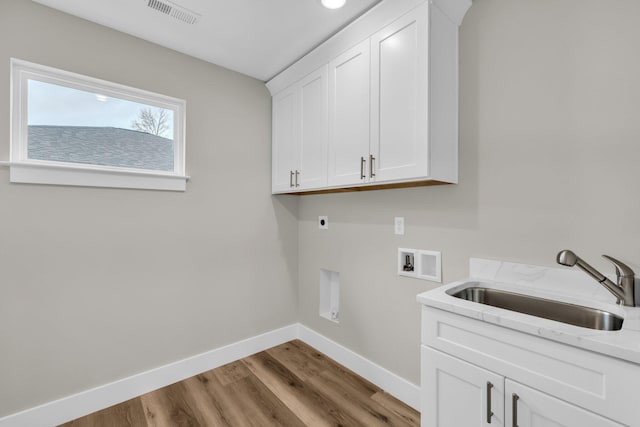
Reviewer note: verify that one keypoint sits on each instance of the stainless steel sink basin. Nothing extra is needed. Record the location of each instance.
(577, 315)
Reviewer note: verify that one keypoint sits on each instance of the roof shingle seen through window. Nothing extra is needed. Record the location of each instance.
(104, 146)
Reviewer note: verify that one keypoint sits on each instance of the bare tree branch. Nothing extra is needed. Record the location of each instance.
(153, 122)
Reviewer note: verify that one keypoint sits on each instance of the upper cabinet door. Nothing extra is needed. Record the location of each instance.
(349, 116)
(314, 116)
(300, 133)
(399, 98)
(389, 111)
(286, 125)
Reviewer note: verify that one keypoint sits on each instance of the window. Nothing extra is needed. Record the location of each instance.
(70, 129)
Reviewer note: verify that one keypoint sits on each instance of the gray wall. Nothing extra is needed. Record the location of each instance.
(549, 156)
(99, 284)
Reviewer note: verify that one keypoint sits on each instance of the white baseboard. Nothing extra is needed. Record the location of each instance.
(89, 401)
(86, 402)
(398, 387)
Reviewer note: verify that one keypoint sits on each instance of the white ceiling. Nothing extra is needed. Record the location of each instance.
(255, 37)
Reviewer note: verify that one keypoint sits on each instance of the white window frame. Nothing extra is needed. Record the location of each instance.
(25, 170)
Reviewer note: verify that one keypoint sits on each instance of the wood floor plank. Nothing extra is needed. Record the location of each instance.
(231, 408)
(153, 405)
(311, 353)
(330, 364)
(407, 413)
(261, 406)
(212, 410)
(231, 372)
(303, 400)
(291, 385)
(302, 364)
(287, 387)
(170, 406)
(350, 398)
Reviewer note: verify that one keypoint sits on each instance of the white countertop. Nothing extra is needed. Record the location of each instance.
(561, 284)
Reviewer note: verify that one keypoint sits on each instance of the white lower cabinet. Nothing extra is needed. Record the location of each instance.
(527, 407)
(456, 393)
(477, 373)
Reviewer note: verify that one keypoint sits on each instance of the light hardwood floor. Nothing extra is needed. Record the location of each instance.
(289, 385)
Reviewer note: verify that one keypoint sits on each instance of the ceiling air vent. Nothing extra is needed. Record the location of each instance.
(175, 11)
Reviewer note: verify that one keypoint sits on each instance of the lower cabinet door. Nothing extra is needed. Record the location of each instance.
(458, 394)
(527, 407)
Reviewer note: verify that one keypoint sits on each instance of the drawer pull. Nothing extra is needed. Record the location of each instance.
(514, 409)
(489, 411)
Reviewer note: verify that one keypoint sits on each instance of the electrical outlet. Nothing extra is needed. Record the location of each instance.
(398, 225)
(323, 222)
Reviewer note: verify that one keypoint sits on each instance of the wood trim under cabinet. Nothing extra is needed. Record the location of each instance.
(372, 187)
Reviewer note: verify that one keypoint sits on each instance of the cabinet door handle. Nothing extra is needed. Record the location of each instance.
(371, 168)
(362, 162)
(290, 178)
(514, 409)
(489, 411)
(297, 174)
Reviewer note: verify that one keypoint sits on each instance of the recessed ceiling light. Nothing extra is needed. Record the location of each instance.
(333, 4)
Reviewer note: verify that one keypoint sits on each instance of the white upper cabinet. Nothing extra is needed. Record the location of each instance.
(349, 116)
(388, 115)
(285, 130)
(399, 95)
(312, 156)
(299, 151)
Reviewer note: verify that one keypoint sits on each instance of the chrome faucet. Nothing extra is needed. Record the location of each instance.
(623, 290)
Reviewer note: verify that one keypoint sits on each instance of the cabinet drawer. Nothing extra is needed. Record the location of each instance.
(601, 384)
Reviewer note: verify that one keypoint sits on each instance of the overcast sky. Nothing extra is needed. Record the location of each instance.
(50, 104)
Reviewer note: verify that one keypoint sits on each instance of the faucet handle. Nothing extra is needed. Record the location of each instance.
(622, 270)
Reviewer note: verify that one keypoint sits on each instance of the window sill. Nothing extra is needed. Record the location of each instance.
(29, 173)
